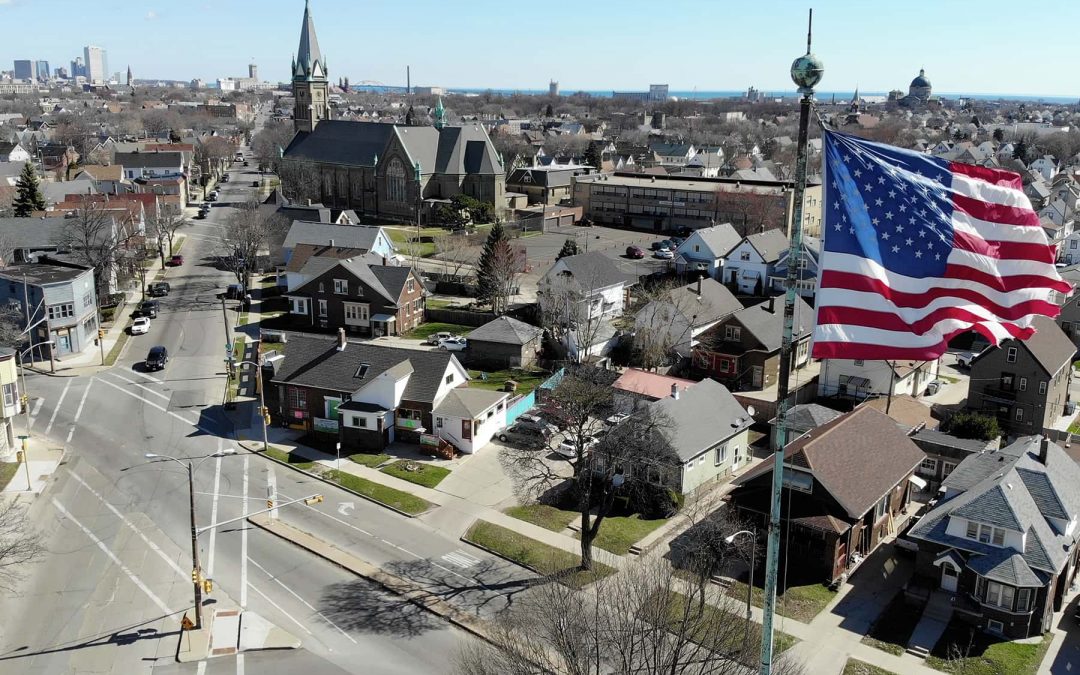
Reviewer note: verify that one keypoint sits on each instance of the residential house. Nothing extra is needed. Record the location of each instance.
(57, 157)
(636, 389)
(363, 238)
(708, 452)
(150, 164)
(1069, 249)
(503, 342)
(13, 152)
(802, 418)
(807, 273)
(1002, 540)
(297, 272)
(1046, 166)
(678, 320)
(673, 153)
(364, 298)
(29, 237)
(743, 350)
(60, 301)
(107, 179)
(706, 165)
(752, 261)
(9, 389)
(366, 395)
(470, 418)
(847, 484)
(706, 249)
(944, 452)
(859, 379)
(1069, 317)
(590, 283)
(1024, 383)
(548, 185)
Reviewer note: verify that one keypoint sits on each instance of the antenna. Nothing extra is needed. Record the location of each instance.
(809, 30)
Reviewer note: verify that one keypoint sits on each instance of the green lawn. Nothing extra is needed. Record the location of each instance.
(7, 472)
(527, 379)
(424, 330)
(114, 353)
(857, 667)
(289, 458)
(547, 517)
(369, 460)
(962, 649)
(715, 628)
(801, 603)
(416, 472)
(442, 303)
(617, 534)
(893, 627)
(536, 555)
(424, 249)
(402, 501)
(1074, 428)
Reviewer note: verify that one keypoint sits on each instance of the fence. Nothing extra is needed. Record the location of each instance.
(458, 316)
(526, 402)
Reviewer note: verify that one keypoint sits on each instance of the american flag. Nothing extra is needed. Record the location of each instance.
(918, 249)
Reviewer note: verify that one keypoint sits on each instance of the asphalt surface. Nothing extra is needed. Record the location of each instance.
(109, 594)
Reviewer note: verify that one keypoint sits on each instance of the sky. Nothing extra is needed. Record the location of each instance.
(966, 46)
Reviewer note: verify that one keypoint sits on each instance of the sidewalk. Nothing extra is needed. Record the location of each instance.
(43, 463)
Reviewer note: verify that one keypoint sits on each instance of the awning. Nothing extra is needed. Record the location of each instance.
(919, 482)
(951, 557)
(383, 317)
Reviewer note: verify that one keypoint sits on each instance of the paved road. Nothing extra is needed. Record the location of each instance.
(109, 595)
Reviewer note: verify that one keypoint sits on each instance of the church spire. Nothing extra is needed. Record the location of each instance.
(310, 84)
(440, 114)
(309, 60)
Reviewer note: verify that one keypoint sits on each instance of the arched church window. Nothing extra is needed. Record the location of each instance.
(395, 181)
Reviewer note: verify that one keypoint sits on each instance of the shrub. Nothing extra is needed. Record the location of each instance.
(965, 424)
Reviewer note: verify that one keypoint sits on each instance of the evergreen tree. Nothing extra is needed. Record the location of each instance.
(569, 247)
(549, 111)
(486, 282)
(593, 158)
(28, 197)
(410, 118)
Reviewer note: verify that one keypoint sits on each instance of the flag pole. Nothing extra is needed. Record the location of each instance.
(806, 72)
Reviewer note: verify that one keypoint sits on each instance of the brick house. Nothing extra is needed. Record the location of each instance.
(361, 297)
(1024, 383)
(1002, 538)
(847, 483)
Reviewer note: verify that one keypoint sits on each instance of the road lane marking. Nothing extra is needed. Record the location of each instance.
(271, 489)
(155, 405)
(278, 607)
(141, 386)
(201, 669)
(461, 559)
(244, 546)
(153, 547)
(37, 408)
(305, 602)
(59, 402)
(78, 411)
(239, 663)
(112, 556)
(213, 514)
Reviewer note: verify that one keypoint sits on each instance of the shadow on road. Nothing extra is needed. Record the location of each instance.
(125, 635)
(360, 606)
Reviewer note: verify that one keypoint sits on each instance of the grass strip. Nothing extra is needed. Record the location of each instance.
(402, 501)
(7, 472)
(536, 555)
(114, 353)
(417, 472)
(369, 460)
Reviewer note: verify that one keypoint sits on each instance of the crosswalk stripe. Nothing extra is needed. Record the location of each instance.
(461, 559)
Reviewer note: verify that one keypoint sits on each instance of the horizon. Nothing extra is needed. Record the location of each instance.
(234, 36)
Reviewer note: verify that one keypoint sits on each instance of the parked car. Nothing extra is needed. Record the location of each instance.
(519, 434)
(225, 178)
(663, 254)
(148, 308)
(247, 164)
(536, 422)
(568, 447)
(140, 326)
(655, 246)
(634, 252)
(158, 289)
(201, 214)
(677, 242)
(234, 292)
(436, 338)
(176, 260)
(157, 358)
(963, 359)
(453, 344)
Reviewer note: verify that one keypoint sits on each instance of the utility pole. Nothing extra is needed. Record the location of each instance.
(806, 72)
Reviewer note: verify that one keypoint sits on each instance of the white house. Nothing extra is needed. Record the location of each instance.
(1069, 250)
(673, 153)
(589, 282)
(751, 262)
(1045, 165)
(150, 164)
(706, 165)
(685, 313)
(13, 152)
(806, 281)
(469, 418)
(859, 379)
(706, 249)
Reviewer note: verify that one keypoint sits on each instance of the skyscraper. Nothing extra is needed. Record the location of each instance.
(97, 65)
(78, 68)
(253, 71)
(43, 70)
(25, 69)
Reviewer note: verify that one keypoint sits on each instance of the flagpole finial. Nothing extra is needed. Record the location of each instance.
(807, 70)
(809, 29)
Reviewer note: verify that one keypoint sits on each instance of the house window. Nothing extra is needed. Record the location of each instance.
(732, 332)
(322, 307)
(341, 286)
(1010, 355)
(725, 366)
(946, 468)
(87, 299)
(994, 626)
(1023, 384)
(928, 466)
(438, 422)
(745, 255)
(299, 306)
(972, 530)
(355, 312)
(999, 595)
(361, 422)
(1042, 387)
(986, 534)
(63, 311)
(410, 286)
(1019, 414)
(297, 398)
(9, 395)
(721, 455)
(395, 181)
(322, 287)
(449, 378)
(1023, 599)
(881, 509)
(697, 249)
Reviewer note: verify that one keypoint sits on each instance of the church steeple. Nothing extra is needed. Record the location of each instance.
(310, 78)
(855, 101)
(440, 114)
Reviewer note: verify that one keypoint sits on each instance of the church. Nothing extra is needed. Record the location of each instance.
(382, 170)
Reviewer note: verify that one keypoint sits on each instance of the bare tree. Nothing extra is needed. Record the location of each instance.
(12, 320)
(246, 235)
(214, 153)
(94, 238)
(455, 252)
(19, 543)
(300, 181)
(271, 140)
(661, 320)
(164, 225)
(571, 309)
(507, 263)
(643, 620)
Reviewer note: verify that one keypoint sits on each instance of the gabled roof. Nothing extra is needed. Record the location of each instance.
(769, 244)
(807, 416)
(1006, 566)
(468, 403)
(32, 233)
(706, 400)
(858, 458)
(719, 238)
(1050, 346)
(705, 301)
(316, 362)
(593, 271)
(99, 172)
(302, 253)
(650, 385)
(765, 321)
(387, 281)
(506, 330)
(343, 236)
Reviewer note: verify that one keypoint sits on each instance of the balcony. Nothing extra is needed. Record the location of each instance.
(997, 394)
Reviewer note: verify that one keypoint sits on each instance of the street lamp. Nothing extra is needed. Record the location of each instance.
(196, 572)
(730, 539)
(263, 412)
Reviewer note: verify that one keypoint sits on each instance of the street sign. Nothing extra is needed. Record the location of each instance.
(186, 623)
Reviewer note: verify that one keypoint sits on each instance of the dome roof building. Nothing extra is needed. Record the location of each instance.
(920, 87)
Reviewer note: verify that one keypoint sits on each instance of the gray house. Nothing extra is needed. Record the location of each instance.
(1024, 383)
(503, 343)
(62, 302)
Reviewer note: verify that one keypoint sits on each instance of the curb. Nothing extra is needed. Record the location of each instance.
(500, 555)
(338, 485)
(423, 599)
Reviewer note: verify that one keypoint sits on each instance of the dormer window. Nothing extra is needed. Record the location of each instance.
(341, 286)
(986, 534)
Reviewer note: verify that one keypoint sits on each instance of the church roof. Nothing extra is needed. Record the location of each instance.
(309, 60)
(920, 80)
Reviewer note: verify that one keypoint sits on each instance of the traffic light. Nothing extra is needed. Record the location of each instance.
(269, 503)
(19, 456)
(100, 333)
(208, 586)
(195, 576)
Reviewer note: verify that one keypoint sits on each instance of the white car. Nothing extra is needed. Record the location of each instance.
(568, 448)
(663, 254)
(454, 344)
(140, 326)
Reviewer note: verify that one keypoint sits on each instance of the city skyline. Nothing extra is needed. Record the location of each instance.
(876, 49)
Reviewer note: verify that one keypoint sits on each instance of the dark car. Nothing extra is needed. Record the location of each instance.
(158, 289)
(234, 292)
(225, 178)
(148, 308)
(634, 252)
(176, 260)
(157, 358)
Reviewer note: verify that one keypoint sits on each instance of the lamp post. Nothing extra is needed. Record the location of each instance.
(730, 539)
(806, 72)
(263, 412)
(196, 572)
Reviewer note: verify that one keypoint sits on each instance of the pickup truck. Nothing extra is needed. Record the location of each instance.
(964, 359)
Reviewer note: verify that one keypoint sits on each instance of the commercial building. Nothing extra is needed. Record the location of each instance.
(25, 69)
(62, 305)
(42, 68)
(97, 64)
(668, 203)
(656, 92)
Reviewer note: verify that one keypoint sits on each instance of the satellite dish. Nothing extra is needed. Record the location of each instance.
(750, 410)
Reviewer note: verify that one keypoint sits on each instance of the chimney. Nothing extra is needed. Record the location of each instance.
(699, 284)
(341, 339)
(675, 391)
(331, 243)
(1044, 449)
(309, 202)
(772, 304)
(384, 261)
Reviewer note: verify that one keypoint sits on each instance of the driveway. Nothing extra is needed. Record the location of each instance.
(480, 479)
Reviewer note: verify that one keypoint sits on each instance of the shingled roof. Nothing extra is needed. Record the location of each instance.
(505, 330)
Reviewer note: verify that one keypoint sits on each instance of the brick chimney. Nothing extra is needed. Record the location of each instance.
(341, 339)
(699, 284)
(675, 391)
(384, 261)
(772, 304)
(1044, 449)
